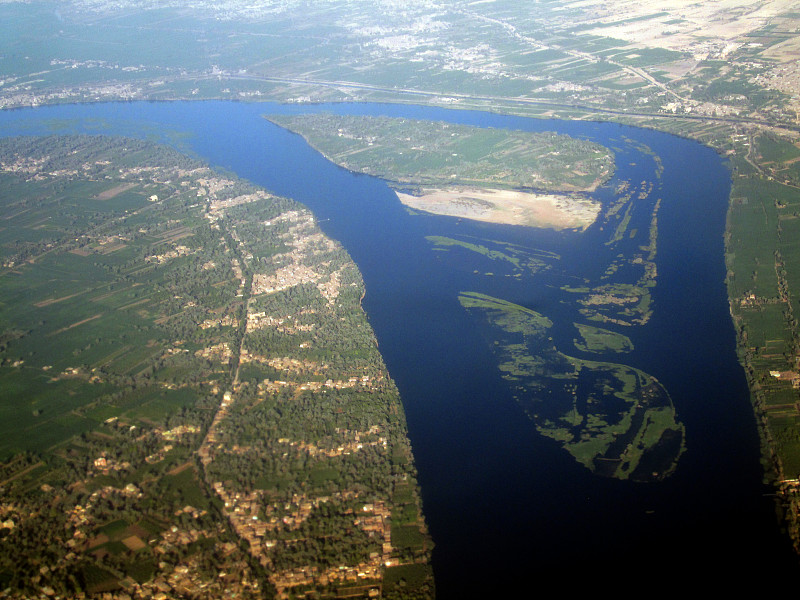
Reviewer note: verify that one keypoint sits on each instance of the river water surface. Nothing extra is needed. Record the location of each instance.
(509, 509)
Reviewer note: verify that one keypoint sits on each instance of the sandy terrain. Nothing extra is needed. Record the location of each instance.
(507, 207)
(688, 25)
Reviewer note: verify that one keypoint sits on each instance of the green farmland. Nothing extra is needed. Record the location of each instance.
(146, 398)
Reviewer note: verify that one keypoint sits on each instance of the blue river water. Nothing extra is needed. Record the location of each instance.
(507, 508)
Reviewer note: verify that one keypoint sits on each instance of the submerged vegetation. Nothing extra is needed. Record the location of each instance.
(615, 420)
(599, 340)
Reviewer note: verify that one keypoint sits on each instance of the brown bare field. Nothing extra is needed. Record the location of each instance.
(50, 301)
(115, 191)
(679, 25)
(174, 235)
(63, 329)
(134, 542)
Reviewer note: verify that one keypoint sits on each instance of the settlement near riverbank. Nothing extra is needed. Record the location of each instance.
(210, 416)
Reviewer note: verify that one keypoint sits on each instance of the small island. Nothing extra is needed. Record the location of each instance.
(498, 176)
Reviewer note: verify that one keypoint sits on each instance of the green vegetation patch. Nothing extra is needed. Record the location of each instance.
(408, 581)
(786, 433)
(438, 154)
(615, 420)
(599, 340)
(510, 317)
(404, 536)
(773, 149)
(521, 259)
(445, 242)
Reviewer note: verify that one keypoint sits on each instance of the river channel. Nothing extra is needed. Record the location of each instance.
(507, 507)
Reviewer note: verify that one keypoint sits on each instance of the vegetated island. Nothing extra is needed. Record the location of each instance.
(492, 175)
(193, 400)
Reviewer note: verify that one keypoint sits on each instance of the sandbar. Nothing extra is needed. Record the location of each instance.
(508, 207)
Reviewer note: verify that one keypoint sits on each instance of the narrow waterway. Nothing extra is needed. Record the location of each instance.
(508, 508)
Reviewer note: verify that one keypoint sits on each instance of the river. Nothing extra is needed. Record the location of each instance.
(508, 508)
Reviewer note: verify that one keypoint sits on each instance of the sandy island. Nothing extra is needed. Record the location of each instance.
(507, 207)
